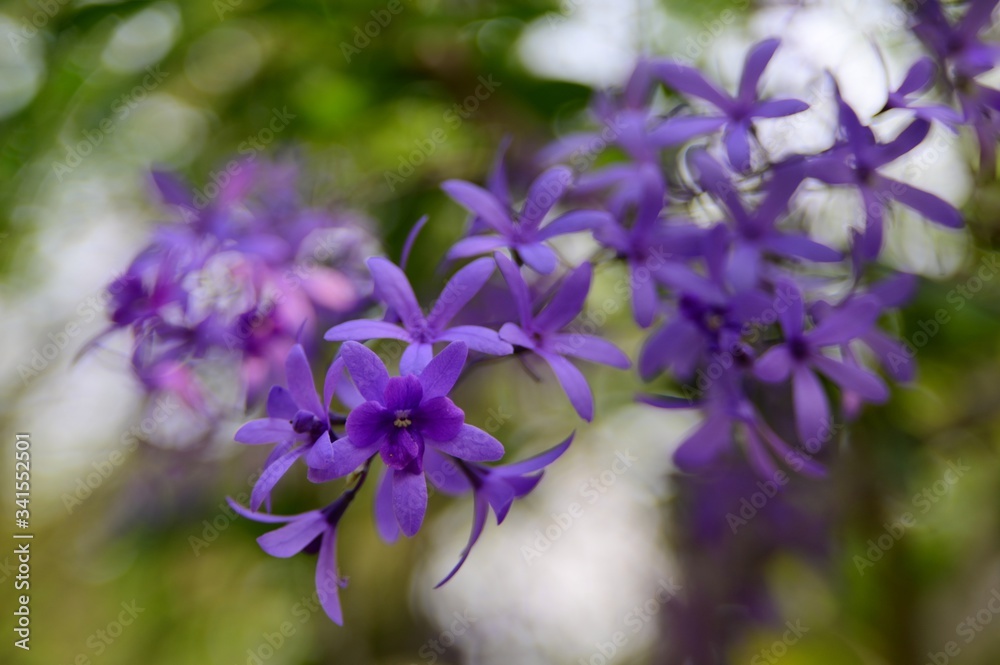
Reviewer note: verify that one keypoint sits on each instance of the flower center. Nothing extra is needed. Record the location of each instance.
(799, 348)
(402, 418)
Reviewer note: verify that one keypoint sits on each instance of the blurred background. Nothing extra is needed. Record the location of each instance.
(94, 94)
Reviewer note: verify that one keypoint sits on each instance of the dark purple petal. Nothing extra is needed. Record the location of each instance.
(393, 288)
(538, 256)
(438, 419)
(812, 411)
(443, 371)
(471, 444)
(918, 77)
(402, 392)
(544, 192)
(477, 338)
(264, 430)
(295, 536)
(908, 139)
(369, 424)
(758, 57)
(477, 200)
(327, 581)
(588, 347)
(518, 288)
(737, 140)
(459, 290)
(363, 330)
(573, 383)
(366, 369)
(801, 246)
(567, 302)
(644, 298)
(854, 379)
(301, 384)
(401, 448)
(385, 518)
(775, 365)
(409, 500)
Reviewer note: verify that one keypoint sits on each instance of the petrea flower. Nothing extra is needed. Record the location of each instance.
(521, 231)
(919, 78)
(855, 161)
(756, 232)
(296, 420)
(421, 332)
(645, 244)
(496, 487)
(800, 356)
(402, 416)
(314, 532)
(735, 114)
(540, 333)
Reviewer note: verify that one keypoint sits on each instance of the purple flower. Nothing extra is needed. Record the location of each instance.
(756, 232)
(800, 356)
(420, 331)
(401, 416)
(919, 78)
(520, 231)
(540, 333)
(735, 114)
(314, 532)
(730, 417)
(294, 416)
(645, 244)
(855, 161)
(496, 487)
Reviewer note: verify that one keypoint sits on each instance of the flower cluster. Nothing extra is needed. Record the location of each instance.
(243, 272)
(743, 307)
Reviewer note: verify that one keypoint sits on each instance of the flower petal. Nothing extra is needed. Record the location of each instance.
(854, 379)
(366, 369)
(280, 404)
(589, 347)
(409, 500)
(369, 424)
(341, 458)
(812, 411)
(443, 371)
(538, 256)
(775, 365)
(264, 430)
(518, 287)
(295, 536)
(363, 330)
(756, 61)
(393, 288)
(301, 383)
(415, 358)
(459, 290)
(480, 511)
(476, 245)
(327, 581)
(567, 302)
(545, 192)
(438, 419)
(477, 338)
(270, 476)
(573, 383)
(385, 518)
(477, 200)
(471, 444)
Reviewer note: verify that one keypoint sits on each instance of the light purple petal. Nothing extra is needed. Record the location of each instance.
(538, 256)
(345, 459)
(477, 200)
(517, 286)
(366, 369)
(644, 298)
(411, 239)
(690, 81)
(459, 290)
(737, 140)
(301, 384)
(801, 246)
(930, 206)
(480, 511)
(712, 438)
(513, 333)
(415, 358)
(567, 302)
(908, 139)
(471, 444)
(854, 379)
(443, 371)
(846, 323)
(327, 581)
(756, 61)
(270, 476)
(264, 430)
(779, 108)
(265, 518)
(445, 474)
(775, 365)
(280, 404)
(589, 347)
(477, 338)
(682, 129)
(385, 518)
(812, 411)
(393, 288)
(538, 462)
(295, 536)
(476, 245)
(573, 383)
(544, 193)
(574, 222)
(363, 330)
(333, 376)
(409, 500)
